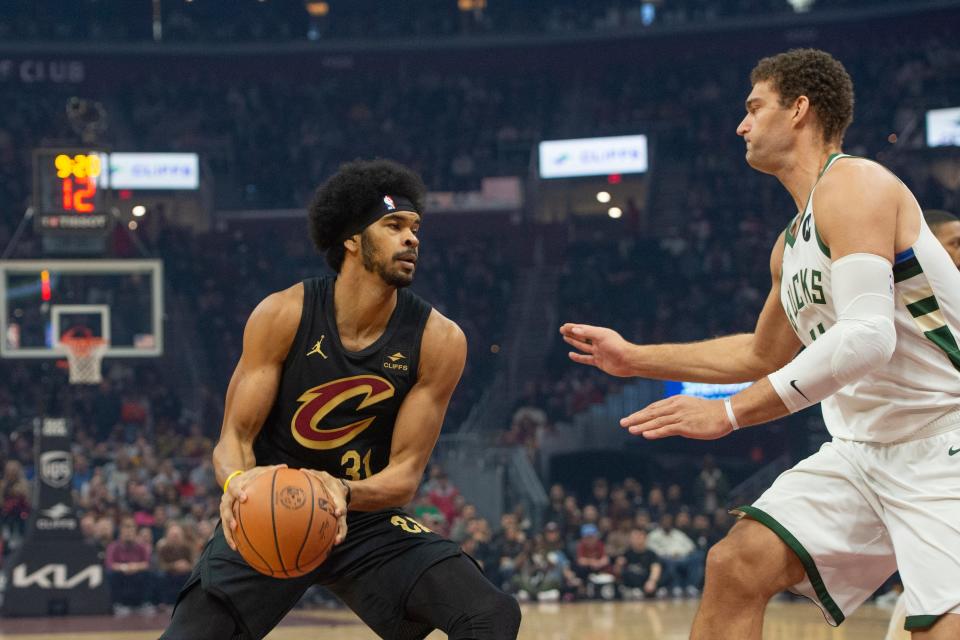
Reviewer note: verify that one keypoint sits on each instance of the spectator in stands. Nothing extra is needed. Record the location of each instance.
(88, 527)
(15, 505)
(145, 538)
(620, 507)
(592, 564)
(682, 568)
(618, 539)
(509, 543)
(554, 511)
(711, 485)
(174, 559)
(638, 569)
(572, 518)
(161, 518)
(601, 494)
(656, 503)
(643, 520)
(634, 491)
(675, 502)
(197, 444)
(104, 533)
(459, 529)
(485, 553)
(128, 569)
(537, 576)
(204, 530)
(556, 548)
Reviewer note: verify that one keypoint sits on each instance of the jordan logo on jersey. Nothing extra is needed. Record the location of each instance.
(317, 348)
(318, 402)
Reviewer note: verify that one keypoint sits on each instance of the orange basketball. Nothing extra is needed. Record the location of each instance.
(286, 527)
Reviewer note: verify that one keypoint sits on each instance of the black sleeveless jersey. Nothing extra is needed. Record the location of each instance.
(335, 409)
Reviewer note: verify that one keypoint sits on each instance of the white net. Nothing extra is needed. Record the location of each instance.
(84, 355)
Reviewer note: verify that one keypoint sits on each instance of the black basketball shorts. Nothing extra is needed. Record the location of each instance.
(372, 571)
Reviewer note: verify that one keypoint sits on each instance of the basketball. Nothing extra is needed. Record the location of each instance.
(286, 527)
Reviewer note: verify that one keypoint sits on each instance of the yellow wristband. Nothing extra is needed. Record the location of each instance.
(231, 477)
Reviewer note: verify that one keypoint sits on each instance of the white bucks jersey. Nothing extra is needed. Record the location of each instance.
(905, 398)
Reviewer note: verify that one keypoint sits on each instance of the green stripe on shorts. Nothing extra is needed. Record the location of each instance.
(918, 623)
(805, 559)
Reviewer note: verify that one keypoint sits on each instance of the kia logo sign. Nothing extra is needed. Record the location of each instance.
(56, 576)
(56, 468)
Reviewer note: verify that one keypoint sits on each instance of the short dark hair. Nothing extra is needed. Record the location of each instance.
(817, 75)
(355, 189)
(937, 217)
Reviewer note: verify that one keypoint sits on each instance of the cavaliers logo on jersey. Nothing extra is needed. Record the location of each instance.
(318, 402)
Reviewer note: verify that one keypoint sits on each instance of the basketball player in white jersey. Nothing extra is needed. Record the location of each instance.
(946, 228)
(860, 281)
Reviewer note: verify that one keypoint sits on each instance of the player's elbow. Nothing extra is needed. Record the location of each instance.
(406, 490)
(867, 344)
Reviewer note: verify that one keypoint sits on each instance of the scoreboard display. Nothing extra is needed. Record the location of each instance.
(70, 190)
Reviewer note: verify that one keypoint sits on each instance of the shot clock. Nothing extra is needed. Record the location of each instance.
(70, 190)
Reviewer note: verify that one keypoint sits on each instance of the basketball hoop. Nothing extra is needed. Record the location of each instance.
(84, 355)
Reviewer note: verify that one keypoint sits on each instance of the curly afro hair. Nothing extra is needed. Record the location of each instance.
(355, 189)
(817, 75)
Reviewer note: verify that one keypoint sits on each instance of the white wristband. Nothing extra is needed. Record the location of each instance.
(732, 418)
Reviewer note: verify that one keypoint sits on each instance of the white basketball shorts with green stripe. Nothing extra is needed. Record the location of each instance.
(855, 512)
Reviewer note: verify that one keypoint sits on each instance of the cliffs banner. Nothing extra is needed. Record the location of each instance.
(54, 572)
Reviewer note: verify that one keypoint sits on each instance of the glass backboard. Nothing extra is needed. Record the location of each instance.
(120, 301)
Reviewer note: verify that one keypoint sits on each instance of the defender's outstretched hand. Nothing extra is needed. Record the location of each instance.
(680, 416)
(602, 348)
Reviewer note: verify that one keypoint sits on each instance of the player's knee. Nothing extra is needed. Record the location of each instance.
(753, 562)
(722, 560)
(732, 565)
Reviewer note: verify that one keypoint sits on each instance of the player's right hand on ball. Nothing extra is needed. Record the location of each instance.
(602, 348)
(235, 493)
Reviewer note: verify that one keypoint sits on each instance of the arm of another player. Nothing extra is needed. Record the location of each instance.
(743, 357)
(443, 353)
(857, 211)
(253, 388)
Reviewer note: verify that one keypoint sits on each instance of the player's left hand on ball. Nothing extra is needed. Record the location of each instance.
(680, 416)
(338, 493)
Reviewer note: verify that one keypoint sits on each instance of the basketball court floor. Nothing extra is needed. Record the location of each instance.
(661, 620)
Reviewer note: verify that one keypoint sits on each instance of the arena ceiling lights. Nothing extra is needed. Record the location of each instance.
(593, 156)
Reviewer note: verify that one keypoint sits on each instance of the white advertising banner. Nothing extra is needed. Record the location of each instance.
(154, 171)
(943, 127)
(593, 156)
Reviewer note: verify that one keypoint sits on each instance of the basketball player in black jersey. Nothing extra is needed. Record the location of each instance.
(348, 377)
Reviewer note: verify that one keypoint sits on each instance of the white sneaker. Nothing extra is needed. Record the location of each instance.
(677, 592)
(121, 611)
(693, 592)
(550, 595)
